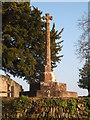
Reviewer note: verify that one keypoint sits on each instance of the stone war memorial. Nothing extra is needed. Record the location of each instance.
(47, 86)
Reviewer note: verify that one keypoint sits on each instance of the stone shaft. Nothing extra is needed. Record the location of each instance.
(48, 51)
(47, 75)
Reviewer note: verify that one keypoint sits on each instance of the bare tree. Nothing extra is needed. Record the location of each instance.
(83, 51)
(83, 44)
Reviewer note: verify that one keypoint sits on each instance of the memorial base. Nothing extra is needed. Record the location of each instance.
(49, 89)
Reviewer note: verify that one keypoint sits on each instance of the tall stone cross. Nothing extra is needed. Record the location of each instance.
(47, 76)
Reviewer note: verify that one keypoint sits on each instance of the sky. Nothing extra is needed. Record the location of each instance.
(65, 15)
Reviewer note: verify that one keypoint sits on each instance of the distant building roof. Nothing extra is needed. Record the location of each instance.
(8, 77)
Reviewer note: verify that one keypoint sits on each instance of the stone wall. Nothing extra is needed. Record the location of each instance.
(46, 108)
(8, 87)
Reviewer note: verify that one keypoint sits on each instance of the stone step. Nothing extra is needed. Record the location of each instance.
(48, 86)
(52, 93)
(52, 86)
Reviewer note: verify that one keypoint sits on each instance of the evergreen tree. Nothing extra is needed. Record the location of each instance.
(55, 46)
(23, 32)
(84, 81)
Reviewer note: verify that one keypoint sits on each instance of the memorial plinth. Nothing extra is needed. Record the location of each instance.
(50, 89)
